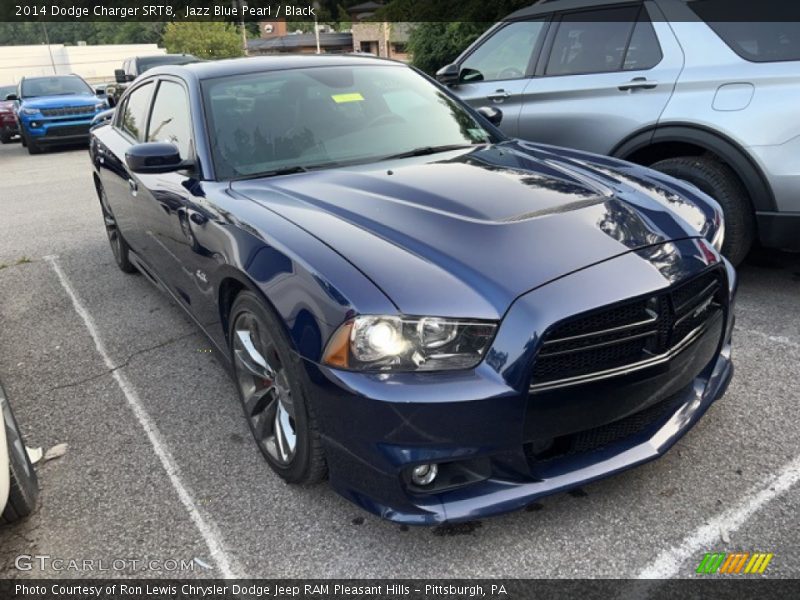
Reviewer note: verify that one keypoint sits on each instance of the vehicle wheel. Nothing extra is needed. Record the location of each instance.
(720, 182)
(33, 147)
(119, 246)
(273, 389)
(5, 139)
(24, 484)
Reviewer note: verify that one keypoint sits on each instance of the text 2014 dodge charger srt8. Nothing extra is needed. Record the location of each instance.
(447, 322)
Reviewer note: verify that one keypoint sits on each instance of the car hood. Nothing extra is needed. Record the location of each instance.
(65, 101)
(6, 105)
(464, 233)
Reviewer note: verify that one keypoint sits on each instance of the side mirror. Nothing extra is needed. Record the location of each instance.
(492, 114)
(11, 97)
(155, 157)
(100, 92)
(448, 75)
(120, 76)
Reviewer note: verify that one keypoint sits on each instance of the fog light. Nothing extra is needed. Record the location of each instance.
(424, 474)
(34, 124)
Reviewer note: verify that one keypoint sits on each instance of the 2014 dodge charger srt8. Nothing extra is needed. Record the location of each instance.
(446, 322)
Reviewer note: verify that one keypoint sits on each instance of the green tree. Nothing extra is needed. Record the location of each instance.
(434, 44)
(203, 39)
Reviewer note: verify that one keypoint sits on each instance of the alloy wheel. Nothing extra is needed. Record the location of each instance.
(111, 227)
(264, 389)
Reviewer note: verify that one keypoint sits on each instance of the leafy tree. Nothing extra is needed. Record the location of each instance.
(433, 45)
(203, 39)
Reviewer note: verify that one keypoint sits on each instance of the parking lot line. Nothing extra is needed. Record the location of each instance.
(669, 562)
(206, 528)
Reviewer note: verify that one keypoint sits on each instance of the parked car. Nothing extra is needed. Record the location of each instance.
(8, 121)
(135, 66)
(56, 109)
(448, 322)
(702, 90)
(18, 484)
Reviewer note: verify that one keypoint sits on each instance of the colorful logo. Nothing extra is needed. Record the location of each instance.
(734, 563)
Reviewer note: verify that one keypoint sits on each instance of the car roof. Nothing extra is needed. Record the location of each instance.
(550, 6)
(259, 64)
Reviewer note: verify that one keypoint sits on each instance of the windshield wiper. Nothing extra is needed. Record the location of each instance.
(426, 150)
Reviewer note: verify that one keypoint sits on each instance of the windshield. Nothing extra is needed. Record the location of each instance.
(5, 90)
(265, 122)
(54, 86)
(156, 61)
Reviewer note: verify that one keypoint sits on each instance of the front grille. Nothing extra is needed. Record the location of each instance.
(67, 130)
(597, 438)
(68, 111)
(624, 335)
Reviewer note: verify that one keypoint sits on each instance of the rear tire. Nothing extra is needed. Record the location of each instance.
(273, 389)
(119, 247)
(5, 139)
(720, 182)
(24, 484)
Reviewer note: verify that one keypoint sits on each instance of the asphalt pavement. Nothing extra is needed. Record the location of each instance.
(160, 465)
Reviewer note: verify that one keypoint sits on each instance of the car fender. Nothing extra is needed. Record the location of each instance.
(312, 293)
(727, 149)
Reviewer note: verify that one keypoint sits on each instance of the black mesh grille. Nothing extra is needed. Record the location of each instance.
(68, 111)
(67, 130)
(596, 438)
(627, 333)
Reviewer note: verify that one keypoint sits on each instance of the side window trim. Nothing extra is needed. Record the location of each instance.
(644, 18)
(185, 88)
(535, 51)
(118, 113)
(544, 58)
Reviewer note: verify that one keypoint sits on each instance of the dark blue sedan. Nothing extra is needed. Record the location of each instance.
(445, 322)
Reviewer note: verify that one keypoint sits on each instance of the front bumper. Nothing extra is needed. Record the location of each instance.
(481, 425)
(57, 131)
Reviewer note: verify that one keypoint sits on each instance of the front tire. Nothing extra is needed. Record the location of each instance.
(33, 147)
(24, 488)
(273, 388)
(720, 182)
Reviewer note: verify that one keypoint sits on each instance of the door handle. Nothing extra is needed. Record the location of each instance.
(133, 186)
(638, 83)
(499, 96)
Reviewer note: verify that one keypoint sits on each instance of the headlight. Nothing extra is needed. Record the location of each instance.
(29, 111)
(390, 343)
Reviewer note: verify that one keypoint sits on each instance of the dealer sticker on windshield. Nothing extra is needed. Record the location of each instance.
(354, 97)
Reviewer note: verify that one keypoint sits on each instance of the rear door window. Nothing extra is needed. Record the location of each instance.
(592, 41)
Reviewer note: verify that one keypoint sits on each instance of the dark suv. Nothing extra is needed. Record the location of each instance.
(135, 66)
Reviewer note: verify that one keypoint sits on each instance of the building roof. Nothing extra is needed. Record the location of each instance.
(295, 41)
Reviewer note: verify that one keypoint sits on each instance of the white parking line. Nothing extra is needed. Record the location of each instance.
(668, 563)
(206, 528)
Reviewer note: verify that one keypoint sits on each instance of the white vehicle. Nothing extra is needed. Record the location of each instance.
(19, 487)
